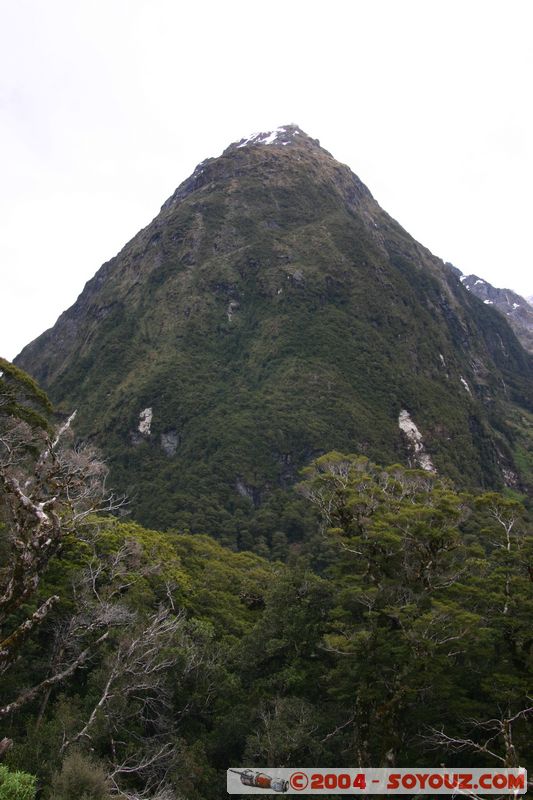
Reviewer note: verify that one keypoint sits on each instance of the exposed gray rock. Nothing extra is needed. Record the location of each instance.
(250, 492)
(297, 277)
(233, 306)
(170, 441)
(145, 421)
(416, 444)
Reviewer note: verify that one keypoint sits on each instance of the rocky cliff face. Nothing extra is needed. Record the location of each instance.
(273, 311)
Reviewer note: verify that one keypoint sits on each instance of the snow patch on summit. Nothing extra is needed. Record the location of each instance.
(270, 137)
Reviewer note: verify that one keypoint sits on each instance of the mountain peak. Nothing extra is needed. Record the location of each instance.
(515, 307)
(248, 149)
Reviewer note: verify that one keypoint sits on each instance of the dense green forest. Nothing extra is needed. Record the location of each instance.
(142, 664)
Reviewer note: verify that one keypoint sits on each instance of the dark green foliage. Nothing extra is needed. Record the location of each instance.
(433, 593)
(22, 398)
(406, 615)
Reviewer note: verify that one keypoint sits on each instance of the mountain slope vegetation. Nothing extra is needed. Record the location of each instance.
(270, 313)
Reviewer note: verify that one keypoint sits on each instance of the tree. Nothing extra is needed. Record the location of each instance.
(500, 728)
(136, 694)
(433, 609)
(48, 488)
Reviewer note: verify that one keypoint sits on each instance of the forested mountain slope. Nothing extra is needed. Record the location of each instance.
(271, 312)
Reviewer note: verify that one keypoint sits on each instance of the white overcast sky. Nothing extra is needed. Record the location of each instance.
(107, 105)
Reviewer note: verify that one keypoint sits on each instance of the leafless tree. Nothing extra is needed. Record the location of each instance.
(50, 491)
(285, 728)
(137, 680)
(493, 739)
(42, 501)
(78, 637)
(136, 674)
(49, 487)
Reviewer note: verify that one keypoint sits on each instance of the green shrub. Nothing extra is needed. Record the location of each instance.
(81, 777)
(16, 785)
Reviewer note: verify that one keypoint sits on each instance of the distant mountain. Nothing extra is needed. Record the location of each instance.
(518, 309)
(273, 311)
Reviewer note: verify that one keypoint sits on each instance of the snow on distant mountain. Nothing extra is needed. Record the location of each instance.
(517, 309)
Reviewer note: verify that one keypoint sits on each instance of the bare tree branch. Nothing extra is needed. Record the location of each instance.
(30, 694)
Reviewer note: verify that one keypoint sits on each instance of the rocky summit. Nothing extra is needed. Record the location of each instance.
(517, 309)
(271, 312)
